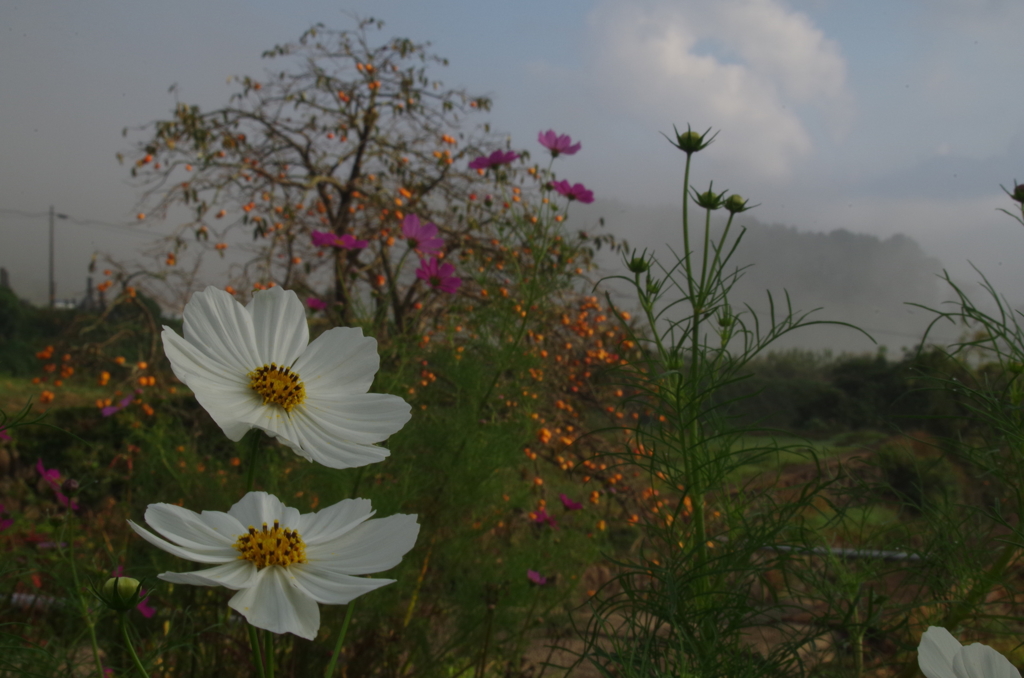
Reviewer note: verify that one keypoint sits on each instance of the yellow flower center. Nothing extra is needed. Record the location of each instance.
(278, 384)
(274, 546)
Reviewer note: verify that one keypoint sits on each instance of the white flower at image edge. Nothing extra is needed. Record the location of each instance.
(253, 367)
(940, 655)
(281, 562)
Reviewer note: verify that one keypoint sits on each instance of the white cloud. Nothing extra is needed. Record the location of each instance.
(766, 67)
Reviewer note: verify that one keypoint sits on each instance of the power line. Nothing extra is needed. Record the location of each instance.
(124, 227)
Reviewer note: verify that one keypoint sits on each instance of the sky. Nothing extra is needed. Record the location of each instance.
(877, 117)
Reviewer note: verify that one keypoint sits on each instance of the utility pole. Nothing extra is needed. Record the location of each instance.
(53, 281)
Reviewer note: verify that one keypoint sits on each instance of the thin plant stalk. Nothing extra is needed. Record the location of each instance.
(329, 671)
(254, 449)
(131, 648)
(257, 658)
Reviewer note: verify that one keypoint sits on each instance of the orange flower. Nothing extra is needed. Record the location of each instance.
(119, 360)
(544, 435)
(221, 246)
(46, 397)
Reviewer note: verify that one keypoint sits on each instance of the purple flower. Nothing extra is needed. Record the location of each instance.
(4, 435)
(421, 237)
(114, 409)
(557, 144)
(5, 522)
(344, 242)
(542, 517)
(52, 478)
(569, 504)
(499, 157)
(315, 304)
(574, 192)
(536, 577)
(439, 276)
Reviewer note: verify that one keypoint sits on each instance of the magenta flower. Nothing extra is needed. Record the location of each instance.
(315, 304)
(52, 478)
(569, 504)
(439, 276)
(499, 157)
(574, 192)
(536, 577)
(114, 409)
(557, 143)
(542, 517)
(4, 435)
(421, 237)
(5, 522)
(344, 242)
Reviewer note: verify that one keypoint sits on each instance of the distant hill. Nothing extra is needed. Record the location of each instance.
(856, 278)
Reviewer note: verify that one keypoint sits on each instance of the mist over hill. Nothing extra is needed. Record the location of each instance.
(855, 278)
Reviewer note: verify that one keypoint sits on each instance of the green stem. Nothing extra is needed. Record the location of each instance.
(254, 449)
(329, 671)
(269, 652)
(85, 609)
(257, 658)
(131, 649)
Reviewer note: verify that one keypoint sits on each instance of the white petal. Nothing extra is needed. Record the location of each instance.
(981, 661)
(227, 555)
(277, 605)
(331, 588)
(256, 508)
(341, 360)
(936, 651)
(333, 521)
(307, 438)
(374, 546)
(189, 362)
(238, 574)
(279, 320)
(222, 329)
(210, 532)
(356, 417)
(221, 389)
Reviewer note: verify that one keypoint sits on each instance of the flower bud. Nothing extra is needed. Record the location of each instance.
(689, 141)
(1018, 193)
(638, 265)
(709, 200)
(734, 203)
(121, 593)
(69, 487)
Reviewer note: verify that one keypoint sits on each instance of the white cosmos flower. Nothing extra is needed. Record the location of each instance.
(253, 367)
(940, 655)
(281, 562)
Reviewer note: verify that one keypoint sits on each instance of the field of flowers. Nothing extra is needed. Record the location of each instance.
(411, 436)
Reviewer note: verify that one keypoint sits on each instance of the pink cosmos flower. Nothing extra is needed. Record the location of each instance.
(421, 237)
(557, 143)
(542, 517)
(536, 577)
(569, 504)
(499, 157)
(439, 276)
(574, 192)
(110, 410)
(315, 304)
(344, 242)
(52, 478)
(5, 522)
